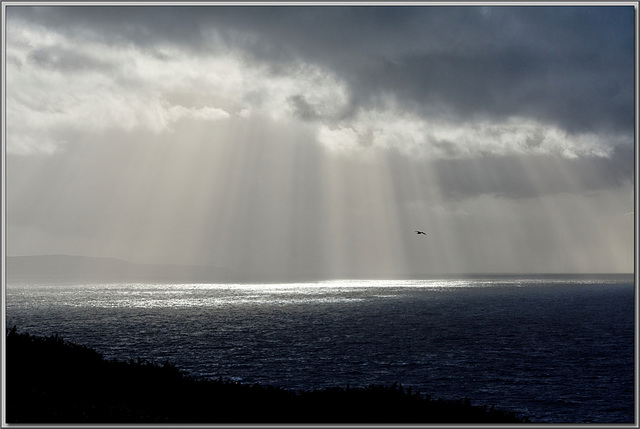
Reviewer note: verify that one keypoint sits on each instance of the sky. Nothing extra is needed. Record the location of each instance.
(313, 141)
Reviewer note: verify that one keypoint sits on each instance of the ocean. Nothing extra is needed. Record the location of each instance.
(556, 349)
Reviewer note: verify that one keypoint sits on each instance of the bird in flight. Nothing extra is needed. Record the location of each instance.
(420, 232)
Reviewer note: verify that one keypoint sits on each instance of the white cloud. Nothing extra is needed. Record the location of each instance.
(149, 90)
(175, 113)
(438, 138)
(47, 102)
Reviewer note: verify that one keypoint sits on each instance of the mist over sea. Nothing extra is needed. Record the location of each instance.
(556, 349)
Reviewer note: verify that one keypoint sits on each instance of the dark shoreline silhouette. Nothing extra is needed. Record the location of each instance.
(50, 380)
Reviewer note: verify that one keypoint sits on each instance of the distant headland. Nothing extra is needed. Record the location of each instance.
(85, 268)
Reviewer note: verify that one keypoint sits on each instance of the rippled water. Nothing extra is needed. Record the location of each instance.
(555, 350)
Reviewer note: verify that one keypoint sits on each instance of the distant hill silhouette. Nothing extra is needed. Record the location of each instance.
(84, 268)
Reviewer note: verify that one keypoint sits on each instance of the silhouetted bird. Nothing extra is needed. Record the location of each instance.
(420, 232)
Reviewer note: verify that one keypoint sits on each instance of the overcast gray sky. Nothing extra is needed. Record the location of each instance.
(315, 140)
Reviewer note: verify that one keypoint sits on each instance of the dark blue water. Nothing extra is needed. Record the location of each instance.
(555, 350)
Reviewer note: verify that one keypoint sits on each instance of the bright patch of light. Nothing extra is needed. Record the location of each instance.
(204, 113)
(144, 295)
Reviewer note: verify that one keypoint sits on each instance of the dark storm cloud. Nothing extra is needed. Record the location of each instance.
(578, 95)
(572, 66)
(302, 108)
(66, 60)
(517, 177)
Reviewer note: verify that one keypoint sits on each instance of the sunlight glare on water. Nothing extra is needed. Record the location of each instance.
(151, 295)
(159, 295)
(216, 295)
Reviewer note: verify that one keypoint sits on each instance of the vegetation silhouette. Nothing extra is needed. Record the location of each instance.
(50, 380)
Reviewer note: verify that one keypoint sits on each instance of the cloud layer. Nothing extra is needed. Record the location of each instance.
(311, 139)
(507, 78)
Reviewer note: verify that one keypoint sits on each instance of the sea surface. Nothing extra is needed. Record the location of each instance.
(554, 349)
